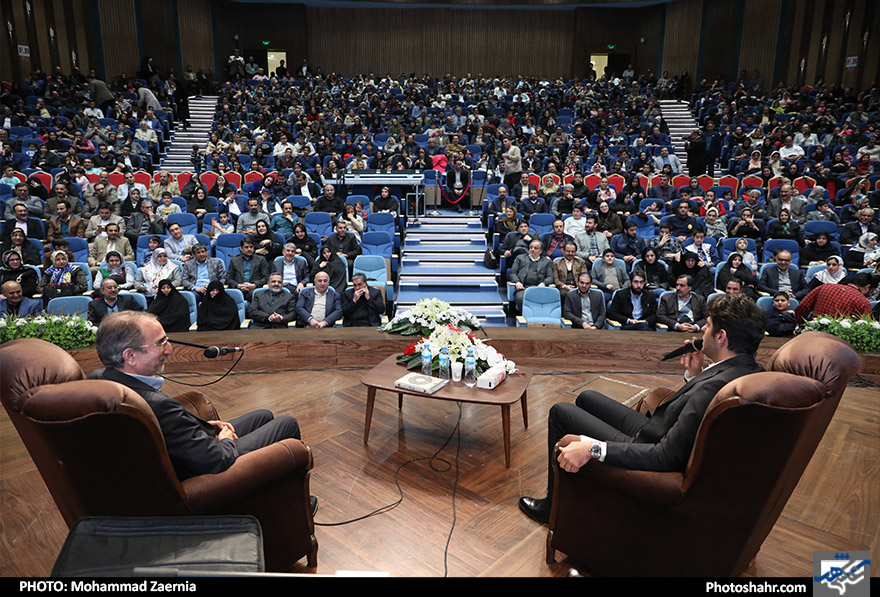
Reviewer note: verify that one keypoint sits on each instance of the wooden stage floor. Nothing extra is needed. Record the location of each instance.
(836, 506)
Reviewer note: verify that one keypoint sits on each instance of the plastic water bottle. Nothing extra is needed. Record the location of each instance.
(444, 363)
(470, 369)
(426, 360)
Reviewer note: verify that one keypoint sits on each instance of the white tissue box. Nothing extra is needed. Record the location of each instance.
(490, 378)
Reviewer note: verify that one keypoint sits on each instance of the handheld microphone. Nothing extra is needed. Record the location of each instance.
(684, 349)
(212, 352)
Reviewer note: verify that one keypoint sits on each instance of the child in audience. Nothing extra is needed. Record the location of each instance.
(781, 321)
(167, 207)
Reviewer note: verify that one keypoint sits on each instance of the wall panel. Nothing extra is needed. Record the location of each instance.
(119, 33)
(681, 44)
(759, 38)
(196, 35)
(157, 27)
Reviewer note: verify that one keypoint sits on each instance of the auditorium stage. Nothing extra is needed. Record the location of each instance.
(315, 376)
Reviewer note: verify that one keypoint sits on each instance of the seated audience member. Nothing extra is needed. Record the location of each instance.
(665, 244)
(783, 277)
(787, 200)
(749, 258)
(112, 242)
(634, 308)
(683, 310)
(785, 228)
(329, 202)
(609, 275)
(747, 226)
(585, 309)
(707, 252)
(628, 245)
(817, 251)
(247, 222)
(516, 244)
(622, 437)
(247, 271)
(687, 264)
(110, 301)
(507, 223)
(32, 203)
(735, 269)
(294, 272)
(848, 299)
(532, 204)
(343, 244)
(114, 267)
(592, 243)
(178, 242)
(864, 253)
(13, 302)
(133, 346)
(159, 268)
(170, 307)
(823, 213)
(553, 242)
(201, 270)
(362, 305)
(18, 243)
(332, 264)
(143, 222)
(531, 269)
(284, 222)
(14, 270)
(62, 279)
(273, 308)
(834, 273)
(781, 322)
(65, 224)
(653, 270)
(217, 310)
(853, 231)
(318, 306)
(501, 202)
(567, 270)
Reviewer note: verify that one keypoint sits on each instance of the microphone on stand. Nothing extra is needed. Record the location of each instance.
(685, 349)
(211, 352)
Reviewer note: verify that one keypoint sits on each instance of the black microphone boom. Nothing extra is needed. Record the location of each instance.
(212, 352)
(684, 349)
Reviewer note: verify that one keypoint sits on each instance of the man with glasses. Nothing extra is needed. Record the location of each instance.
(133, 346)
(783, 278)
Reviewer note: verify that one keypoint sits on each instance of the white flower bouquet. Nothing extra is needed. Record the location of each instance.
(457, 343)
(427, 315)
(862, 333)
(67, 331)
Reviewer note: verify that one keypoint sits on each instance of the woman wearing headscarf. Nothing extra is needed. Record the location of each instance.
(171, 308)
(20, 244)
(159, 268)
(114, 266)
(652, 270)
(817, 251)
(861, 254)
(785, 228)
(834, 273)
(62, 279)
(735, 269)
(331, 263)
(14, 270)
(218, 310)
(265, 241)
(507, 223)
(305, 244)
(687, 263)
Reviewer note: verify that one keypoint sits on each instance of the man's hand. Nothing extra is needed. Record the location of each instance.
(225, 430)
(575, 455)
(692, 362)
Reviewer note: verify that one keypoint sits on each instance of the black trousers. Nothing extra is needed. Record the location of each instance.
(260, 428)
(594, 415)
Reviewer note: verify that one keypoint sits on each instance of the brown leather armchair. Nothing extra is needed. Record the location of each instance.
(755, 441)
(100, 451)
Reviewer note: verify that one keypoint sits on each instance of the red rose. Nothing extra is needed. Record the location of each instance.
(410, 349)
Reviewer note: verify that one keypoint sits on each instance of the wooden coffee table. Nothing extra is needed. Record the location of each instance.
(515, 387)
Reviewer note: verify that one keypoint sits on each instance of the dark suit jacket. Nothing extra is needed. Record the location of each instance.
(348, 246)
(665, 442)
(571, 308)
(362, 313)
(191, 441)
(621, 307)
(306, 301)
(656, 192)
(264, 304)
(27, 307)
(35, 228)
(301, 267)
(769, 282)
(98, 307)
(259, 271)
(667, 312)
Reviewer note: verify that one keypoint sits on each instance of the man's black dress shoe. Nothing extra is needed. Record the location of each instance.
(313, 502)
(535, 508)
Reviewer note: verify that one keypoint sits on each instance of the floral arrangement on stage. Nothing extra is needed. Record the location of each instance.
(427, 315)
(862, 333)
(67, 331)
(457, 342)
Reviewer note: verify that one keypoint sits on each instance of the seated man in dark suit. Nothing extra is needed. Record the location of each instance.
(784, 278)
(273, 308)
(318, 306)
(361, 305)
(622, 437)
(683, 311)
(634, 308)
(133, 347)
(574, 307)
(247, 271)
(111, 302)
(294, 271)
(15, 303)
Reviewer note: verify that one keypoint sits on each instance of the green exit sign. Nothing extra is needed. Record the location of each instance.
(266, 43)
(611, 46)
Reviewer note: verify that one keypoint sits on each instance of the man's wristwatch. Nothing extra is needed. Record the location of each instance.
(596, 451)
